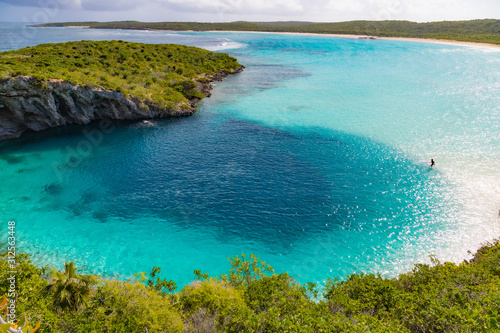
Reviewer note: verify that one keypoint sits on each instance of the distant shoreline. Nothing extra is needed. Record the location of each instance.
(484, 32)
(407, 39)
(369, 37)
(444, 41)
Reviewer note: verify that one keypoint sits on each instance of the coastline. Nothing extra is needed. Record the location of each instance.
(444, 41)
(406, 39)
(34, 99)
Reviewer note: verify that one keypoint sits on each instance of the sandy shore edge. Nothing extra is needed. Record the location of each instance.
(407, 39)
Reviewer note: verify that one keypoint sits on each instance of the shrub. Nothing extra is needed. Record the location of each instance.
(443, 297)
(488, 256)
(367, 294)
(276, 291)
(127, 307)
(217, 301)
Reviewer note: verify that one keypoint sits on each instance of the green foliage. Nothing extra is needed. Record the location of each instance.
(200, 276)
(276, 291)
(160, 285)
(244, 271)
(486, 31)
(161, 76)
(368, 294)
(280, 303)
(21, 325)
(69, 290)
(488, 257)
(155, 283)
(448, 298)
(30, 290)
(442, 297)
(214, 304)
(125, 307)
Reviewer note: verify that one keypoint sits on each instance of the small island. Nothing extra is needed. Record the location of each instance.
(77, 82)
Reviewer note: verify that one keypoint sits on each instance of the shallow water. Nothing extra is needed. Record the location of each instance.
(316, 158)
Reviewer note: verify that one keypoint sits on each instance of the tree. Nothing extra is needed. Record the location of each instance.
(160, 284)
(68, 289)
(155, 283)
(244, 271)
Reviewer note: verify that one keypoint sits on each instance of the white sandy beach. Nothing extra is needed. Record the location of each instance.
(424, 40)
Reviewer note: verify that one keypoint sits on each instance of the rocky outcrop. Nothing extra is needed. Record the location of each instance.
(26, 105)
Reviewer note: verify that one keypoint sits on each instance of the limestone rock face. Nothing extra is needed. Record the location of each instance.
(25, 105)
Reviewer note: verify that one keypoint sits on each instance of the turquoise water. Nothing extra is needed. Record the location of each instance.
(316, 158)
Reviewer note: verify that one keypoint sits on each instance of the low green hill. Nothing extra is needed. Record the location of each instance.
(157, 74)
(485, 31)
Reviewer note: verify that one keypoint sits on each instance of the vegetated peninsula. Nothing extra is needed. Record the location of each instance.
(76, 82)
(481, 31)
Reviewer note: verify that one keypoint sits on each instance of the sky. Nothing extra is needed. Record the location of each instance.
(42, 11)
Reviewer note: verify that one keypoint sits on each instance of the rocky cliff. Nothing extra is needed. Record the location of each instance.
(27, 105)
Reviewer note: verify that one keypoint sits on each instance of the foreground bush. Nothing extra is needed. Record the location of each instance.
(119, 306)
(214, 306)
(442, 297)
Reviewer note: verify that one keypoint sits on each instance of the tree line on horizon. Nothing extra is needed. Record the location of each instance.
(485, 31)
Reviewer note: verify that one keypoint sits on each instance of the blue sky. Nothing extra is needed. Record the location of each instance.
(31, 11)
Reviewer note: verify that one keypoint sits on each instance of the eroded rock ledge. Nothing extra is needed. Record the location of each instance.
(26, 105)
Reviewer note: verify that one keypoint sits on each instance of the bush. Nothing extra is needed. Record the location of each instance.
(217, 300)
(367, 294)
(488, 257)
(30, 288)
(276, 291)
(126, 307)
(444, 297)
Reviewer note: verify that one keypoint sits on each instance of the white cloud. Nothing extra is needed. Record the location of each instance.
(100, 5)
(257, 10)
(345, 6)
(433, 10)
(238, 6)
(59, 4)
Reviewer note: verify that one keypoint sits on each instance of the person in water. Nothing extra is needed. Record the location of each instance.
(432, 162)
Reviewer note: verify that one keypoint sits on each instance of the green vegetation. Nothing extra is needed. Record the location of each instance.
(160, 75)
(443, 297)
(485, 31)
(68, 290)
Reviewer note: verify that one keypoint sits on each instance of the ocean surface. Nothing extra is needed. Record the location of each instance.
(315, 158)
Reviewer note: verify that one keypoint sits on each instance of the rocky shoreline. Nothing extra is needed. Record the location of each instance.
(26, 105)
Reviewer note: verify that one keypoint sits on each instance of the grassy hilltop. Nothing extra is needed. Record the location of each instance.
(162, 75)
(485, 31)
